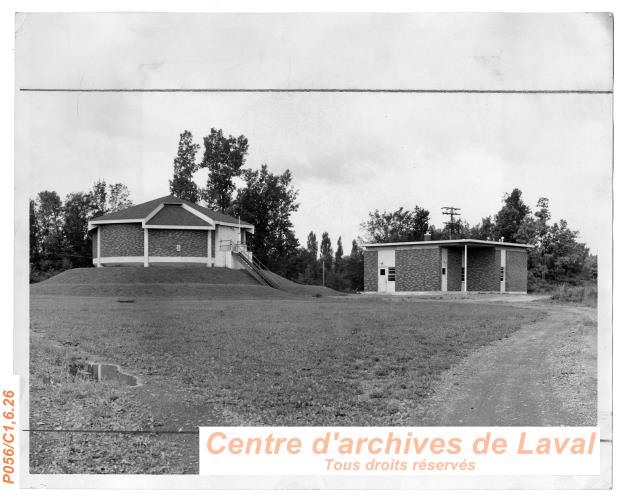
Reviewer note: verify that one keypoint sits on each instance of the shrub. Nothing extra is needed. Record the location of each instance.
(584, 294)
(538, 285)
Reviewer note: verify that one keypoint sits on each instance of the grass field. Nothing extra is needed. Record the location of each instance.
(254, 360)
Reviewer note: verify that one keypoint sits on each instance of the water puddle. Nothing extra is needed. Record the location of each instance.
(102, 372)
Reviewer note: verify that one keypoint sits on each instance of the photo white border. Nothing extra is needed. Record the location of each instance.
(21, 250)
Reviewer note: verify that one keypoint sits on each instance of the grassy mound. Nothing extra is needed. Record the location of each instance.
(163, 281)
(155, 274)
(299, 289)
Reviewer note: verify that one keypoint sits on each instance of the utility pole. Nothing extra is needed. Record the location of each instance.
(323, 272)
(451, 211)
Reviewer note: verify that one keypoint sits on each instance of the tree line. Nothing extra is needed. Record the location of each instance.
(59, 238)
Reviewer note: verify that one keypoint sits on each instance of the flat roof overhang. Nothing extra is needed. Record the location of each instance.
(449, 243)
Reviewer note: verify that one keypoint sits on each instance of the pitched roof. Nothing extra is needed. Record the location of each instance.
(175, 215)
(142, 210)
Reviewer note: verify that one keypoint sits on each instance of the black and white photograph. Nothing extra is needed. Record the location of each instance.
(308, 220)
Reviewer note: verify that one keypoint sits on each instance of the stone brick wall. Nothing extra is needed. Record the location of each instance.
(371, 270)
(162, 243)
(121, 240)
(516, 270)
(454, 269)
(483, 270)
(418, 270)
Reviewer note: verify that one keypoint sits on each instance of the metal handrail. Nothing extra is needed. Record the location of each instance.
(262, 266)
(257, 269)
(259, 263)
(232, 246)
(241, 246)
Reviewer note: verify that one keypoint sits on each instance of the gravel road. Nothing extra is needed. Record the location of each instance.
(543, 375)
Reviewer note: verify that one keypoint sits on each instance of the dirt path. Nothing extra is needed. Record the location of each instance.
(543, 375)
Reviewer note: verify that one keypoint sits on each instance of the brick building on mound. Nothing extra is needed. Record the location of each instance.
(169, 231)
(446, 266)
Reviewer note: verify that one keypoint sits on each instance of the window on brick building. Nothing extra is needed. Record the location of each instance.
(391, 274)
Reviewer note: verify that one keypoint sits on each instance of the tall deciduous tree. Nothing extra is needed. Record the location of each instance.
(535, 231)
(564, 256)
(76, 211)
(312, 269)
(543, 216)
(98, 196)
(312, 246)
(483, 230)
(325, 250)
(182, 184)
(106, 198)
(223, 158)
(118, 197)
(509, 218)
(49, 220)
(34, 236)
(338, 255)
(355, 268)
(268, 200)
(400, 225)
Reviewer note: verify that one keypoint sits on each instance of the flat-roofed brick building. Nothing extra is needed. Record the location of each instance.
(446, 266)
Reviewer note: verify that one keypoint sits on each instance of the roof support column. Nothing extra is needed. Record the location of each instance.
(502, 271)
(145, 248)
(209, 250)
(99, 255)
(466, 269)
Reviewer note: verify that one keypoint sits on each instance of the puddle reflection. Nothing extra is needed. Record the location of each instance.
(102, 372)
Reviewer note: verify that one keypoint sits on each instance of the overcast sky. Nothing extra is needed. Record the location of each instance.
(350, 153)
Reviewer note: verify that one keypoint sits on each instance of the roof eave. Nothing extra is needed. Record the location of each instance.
(448, 242)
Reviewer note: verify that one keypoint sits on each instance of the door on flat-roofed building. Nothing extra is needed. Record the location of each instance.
(382, 279)
(386, 271)
(444, 269)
